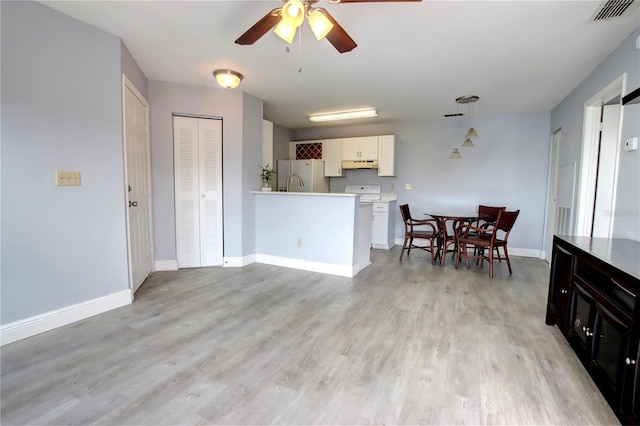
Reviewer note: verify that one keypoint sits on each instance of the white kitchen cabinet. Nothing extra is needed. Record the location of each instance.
(332, 156)
(383, 219)
(387, 155)
(361, 148)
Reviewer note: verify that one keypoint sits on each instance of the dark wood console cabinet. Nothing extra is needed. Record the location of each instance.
(594, 299)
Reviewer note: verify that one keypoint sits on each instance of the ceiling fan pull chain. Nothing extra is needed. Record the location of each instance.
(300, 49)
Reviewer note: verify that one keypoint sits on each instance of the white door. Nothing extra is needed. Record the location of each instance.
(198, 191)
(138, 179)
(605, 181)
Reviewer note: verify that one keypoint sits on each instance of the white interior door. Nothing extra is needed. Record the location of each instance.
(606, 172)
(198, 191)
(138, 179)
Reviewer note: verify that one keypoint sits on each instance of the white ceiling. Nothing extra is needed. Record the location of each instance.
(412, 59)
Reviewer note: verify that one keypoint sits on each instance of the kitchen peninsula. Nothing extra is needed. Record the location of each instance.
(320, 232)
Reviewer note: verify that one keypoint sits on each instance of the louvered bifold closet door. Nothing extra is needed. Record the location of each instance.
(210, 180)
(198, 189)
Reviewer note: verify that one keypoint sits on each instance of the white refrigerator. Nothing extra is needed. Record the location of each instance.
(305, 176)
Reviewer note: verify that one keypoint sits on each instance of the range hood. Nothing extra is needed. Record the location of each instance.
(360, 164)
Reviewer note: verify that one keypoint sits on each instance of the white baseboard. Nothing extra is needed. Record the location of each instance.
(308, 265)
(513, 251)
(28, 327)
(235, 262)
(166, 265)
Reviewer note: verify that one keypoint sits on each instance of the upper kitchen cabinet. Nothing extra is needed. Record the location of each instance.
(387, 155)
(332, 156)
(359, 149)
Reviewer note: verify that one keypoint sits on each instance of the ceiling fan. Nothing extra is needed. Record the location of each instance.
(289, 17)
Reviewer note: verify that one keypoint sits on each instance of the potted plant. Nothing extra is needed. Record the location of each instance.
(266, 174)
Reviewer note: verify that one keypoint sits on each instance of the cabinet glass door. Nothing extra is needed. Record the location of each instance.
(582, 317)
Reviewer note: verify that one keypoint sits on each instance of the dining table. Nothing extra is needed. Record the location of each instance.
(446, 224)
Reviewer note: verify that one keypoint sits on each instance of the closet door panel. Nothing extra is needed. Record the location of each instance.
(185, 137)
(210, 180)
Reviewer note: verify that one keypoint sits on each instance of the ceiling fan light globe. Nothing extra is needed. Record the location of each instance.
(285, 31)
(293, 13)
(319, 23)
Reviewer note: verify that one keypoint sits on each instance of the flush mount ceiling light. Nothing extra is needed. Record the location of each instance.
(229, 79)
(344, 115)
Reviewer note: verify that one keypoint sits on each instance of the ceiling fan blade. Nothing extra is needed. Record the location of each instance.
(260, 28)
(339, 37)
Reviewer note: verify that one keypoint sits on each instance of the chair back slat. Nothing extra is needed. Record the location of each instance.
(406, 213)
(506, 220)
(489, 213)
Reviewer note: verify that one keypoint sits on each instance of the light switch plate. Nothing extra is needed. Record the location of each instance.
(631, 144)
(67, 178)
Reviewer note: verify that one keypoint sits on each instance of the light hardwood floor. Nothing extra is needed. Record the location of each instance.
(401, 343)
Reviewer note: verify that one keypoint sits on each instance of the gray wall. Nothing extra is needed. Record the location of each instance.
(130, 67)
(569, 116)
(61, 110)
(507, 166)
(240, 175)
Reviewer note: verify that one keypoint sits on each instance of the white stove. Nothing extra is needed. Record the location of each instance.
(368, 193)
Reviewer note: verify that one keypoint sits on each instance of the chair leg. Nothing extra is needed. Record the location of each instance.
(491, 262)
(498, 253)
(404, 247)
(433, 255)
(506, 256)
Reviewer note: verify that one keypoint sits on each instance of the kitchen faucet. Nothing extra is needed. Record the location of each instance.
(289, 180)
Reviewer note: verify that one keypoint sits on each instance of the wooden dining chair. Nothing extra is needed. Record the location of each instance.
(487, 216)
(418, 229)
(486, 239)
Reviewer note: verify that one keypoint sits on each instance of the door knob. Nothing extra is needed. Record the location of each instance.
(133, 204)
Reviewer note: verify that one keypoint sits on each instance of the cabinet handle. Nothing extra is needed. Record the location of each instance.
(629, 361)
(563, 291)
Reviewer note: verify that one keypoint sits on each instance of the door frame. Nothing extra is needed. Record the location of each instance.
(128, 85)
(552, 199)
(589, 155)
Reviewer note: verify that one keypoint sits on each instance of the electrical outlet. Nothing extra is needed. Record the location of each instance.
(333, 186)
(631, 144)
(393, 186)
(67, 178)
(299, 242)
(408, 186)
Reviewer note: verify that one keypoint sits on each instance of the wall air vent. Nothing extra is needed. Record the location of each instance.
(611, 9)
(457, 114)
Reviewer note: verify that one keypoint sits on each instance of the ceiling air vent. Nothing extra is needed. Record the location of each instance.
(611, 9)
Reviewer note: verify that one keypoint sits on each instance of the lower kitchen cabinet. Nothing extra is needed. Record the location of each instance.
(383, 225)
(593, 299)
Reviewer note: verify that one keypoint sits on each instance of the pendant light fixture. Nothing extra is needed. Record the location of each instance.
(471, 133)
(455, 154)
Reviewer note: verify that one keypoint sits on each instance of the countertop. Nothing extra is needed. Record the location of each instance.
(619, 253)
(306, 194)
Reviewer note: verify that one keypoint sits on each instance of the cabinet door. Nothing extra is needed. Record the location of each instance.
(363, 148)
(613, 355)
(581, 321)
(332, 156)
(386, 155)
(559, 284)
(379, 228)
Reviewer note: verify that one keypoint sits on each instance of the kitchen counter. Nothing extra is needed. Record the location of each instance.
(320, 232)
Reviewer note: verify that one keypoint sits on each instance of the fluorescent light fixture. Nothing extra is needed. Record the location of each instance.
(345, 115)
